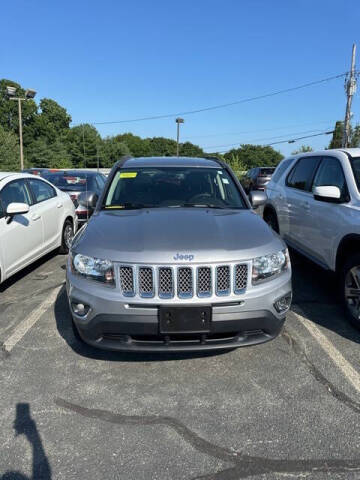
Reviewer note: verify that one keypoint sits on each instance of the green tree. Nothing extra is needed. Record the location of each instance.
(355, 137)
(336, 141)
(50, 124)
(302, 149)
(83, 144)
(163, 147)
(250, 156)
(37, 154)
(9, 151)
(137, 146)
(188, 149)
(111, 151)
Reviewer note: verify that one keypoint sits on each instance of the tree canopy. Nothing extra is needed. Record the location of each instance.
(250, 156)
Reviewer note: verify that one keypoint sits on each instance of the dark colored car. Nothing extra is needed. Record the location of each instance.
(257, 178)
(75, 182)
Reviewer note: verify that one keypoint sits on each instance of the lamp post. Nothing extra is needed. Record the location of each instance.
(178, 121)
(29, 93)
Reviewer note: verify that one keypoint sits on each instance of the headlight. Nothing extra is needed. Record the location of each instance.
(269, 265)
(94, 268)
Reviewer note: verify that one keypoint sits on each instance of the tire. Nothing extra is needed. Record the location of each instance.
(270, 218)
(350, 288)
(66, 237)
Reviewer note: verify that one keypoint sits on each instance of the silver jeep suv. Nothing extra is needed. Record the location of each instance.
(174, 258)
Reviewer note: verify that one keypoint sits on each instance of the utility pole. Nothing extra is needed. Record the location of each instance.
(350, 88)
(21, 136)
(178, 121)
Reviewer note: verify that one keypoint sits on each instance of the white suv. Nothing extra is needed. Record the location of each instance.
(314, 204)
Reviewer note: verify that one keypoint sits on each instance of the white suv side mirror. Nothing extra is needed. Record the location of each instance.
(328, 193)
(17, 209)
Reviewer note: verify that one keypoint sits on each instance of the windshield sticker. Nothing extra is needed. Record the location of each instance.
(225, 180)
(128, 174)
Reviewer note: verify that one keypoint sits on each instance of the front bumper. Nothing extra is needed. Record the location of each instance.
(115, 323)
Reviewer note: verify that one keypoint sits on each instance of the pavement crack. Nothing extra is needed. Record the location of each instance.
(319, 377)
(244, 466)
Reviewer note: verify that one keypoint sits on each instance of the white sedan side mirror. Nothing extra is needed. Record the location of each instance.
(17, 209)
(327, 193)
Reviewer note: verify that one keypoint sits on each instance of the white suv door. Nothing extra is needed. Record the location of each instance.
(50, 207)
(325, 220)
(298, 197)
(22, 237)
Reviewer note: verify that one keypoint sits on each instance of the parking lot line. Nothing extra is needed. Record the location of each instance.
(340, 361)
(30, 321)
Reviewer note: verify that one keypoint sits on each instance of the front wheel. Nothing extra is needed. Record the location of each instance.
(350, 286)
(67, 236)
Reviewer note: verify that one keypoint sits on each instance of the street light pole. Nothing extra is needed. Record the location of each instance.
(178, 121)
(29, 93)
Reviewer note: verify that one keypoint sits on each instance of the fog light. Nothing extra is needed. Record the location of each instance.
(80, 309)
(283, 304)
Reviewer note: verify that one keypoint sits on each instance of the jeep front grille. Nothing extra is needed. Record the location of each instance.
(204, 282)
(127, 281)
(183, 282)
(240, 281)
(166, 282)
(146, 282)
(223, 280)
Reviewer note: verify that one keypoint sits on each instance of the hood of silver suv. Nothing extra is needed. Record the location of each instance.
(177, 235)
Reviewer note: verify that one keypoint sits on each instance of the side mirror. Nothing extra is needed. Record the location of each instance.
(88, 199)
(257, 198)
(17, 209)
(328, 193)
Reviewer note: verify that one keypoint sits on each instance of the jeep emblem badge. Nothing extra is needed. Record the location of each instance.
(181, 256)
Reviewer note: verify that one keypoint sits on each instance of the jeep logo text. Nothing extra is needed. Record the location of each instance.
(180, 256)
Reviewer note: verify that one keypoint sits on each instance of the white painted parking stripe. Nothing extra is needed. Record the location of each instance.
(340, 361)
(30, 321)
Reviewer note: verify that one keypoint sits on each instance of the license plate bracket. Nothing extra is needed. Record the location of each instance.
(180, 320)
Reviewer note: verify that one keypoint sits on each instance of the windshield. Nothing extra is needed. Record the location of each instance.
(69, 182)
(266, 171)
(173, 187)
(355, 164)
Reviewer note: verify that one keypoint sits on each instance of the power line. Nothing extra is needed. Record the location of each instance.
(210, 135)
(224, 105)
(292, 140)
(301, 138)
(260, 139)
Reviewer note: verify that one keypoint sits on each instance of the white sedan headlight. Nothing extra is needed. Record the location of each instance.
(94, 268)
(269, 265)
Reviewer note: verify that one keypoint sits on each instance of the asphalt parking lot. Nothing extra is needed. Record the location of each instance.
(285, 409)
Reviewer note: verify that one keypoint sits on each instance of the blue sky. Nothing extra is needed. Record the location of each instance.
(114, 60)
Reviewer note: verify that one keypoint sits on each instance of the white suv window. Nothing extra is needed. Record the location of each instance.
(330, 173)
(280, 169)
(302, 174)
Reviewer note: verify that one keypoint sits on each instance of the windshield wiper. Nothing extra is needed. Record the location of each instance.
(201, 205)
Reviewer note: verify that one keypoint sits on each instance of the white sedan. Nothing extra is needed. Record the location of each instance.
(35, 218)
